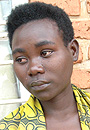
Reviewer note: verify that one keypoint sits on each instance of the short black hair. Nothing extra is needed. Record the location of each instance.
(36, 11)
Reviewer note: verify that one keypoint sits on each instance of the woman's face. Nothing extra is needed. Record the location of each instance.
(41, 61)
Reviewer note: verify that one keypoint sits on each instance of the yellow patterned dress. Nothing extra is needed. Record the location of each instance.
(30, 116)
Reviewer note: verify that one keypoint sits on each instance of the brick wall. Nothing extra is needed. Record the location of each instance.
(79, 13)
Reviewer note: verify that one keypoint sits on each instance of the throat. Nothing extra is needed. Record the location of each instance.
(71, 123)
(62, 114)
(63, 105)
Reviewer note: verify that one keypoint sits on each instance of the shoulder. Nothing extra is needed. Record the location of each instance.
(83, 105)
(80, 92)
(30, 115)
(13, 119)
(81, 96)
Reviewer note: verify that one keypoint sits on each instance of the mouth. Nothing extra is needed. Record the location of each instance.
(39, 85)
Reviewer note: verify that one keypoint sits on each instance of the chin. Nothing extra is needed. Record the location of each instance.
(44, 98)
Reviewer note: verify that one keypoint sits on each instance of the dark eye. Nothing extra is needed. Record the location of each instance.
(21, 60)
(46, 53)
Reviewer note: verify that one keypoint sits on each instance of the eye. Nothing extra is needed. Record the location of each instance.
(21, 60)
(46, 53)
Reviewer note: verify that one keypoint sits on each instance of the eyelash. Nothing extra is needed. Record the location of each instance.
(44, 54)
(21, 58)
(46, 51)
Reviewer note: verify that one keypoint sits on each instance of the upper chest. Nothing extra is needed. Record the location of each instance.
(70, 124)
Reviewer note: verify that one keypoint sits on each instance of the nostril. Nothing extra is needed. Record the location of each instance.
(31, 75)
(34, 74)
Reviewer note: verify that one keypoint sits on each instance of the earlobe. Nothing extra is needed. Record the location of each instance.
(74, 48)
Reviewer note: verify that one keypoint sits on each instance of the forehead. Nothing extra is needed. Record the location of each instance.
(36, 31)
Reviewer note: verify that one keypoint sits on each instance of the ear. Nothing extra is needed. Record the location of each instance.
(73, 46)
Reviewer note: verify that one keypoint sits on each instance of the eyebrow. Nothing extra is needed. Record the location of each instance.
(20, 50)
(42, 43)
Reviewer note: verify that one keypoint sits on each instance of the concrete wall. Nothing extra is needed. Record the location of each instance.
(8, 84)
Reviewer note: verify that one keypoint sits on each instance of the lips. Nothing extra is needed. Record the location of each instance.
(39, 85)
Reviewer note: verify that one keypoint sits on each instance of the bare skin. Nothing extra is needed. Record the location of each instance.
(62, 116)
(44, 66)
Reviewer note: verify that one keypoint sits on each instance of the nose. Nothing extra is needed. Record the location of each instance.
(35, 67)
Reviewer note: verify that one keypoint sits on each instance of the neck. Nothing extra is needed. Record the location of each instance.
(62, 106)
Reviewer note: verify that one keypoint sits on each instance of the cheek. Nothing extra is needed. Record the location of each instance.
(20, 72)
(60, 67)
